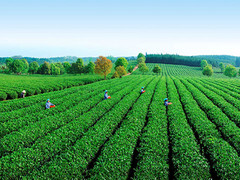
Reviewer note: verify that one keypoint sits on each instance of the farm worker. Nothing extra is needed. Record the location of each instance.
(49, 105)
(23, 94)
(166, 103)
(142, 90)
(106, 95)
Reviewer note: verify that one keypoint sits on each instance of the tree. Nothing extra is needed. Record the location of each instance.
(121, 71)
(207, 71)
(61, 67)
(130, 69)
(33, 67)
(203, 64)
(239, 72)
(74, 68)
(90, 67)
(143, 67)
(57, 71)
(103, 66)
(115, 75)
(80, 65)
(230, 71)
(157, 69)
(77, 68)
(45, 68)
(9, 64)
(141, 60)
(121, 62)
(141, 55)
(80, 62)
(53, 69)
(222, 67)
(18, 66)
(67, 66)
(25, 65)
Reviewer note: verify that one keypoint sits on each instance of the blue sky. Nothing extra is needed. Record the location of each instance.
(50, 28)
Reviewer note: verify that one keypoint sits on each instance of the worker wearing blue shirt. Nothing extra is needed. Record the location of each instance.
(142, 90)
(166, 103)
(49, 105)
(106, 95)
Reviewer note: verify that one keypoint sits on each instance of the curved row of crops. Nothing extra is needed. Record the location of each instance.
(129, 136)
(173, 70)
(185, 71)
(11, 86)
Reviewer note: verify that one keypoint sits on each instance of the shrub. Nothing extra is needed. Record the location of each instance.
(50, 88)
(64, 86)
(56, 88)
(82, 83)
(37, 91)
(30, 92)
(44, 89)
(3, 96)
(69, 85)
(12, 95)
(19, 91)
(60, 87)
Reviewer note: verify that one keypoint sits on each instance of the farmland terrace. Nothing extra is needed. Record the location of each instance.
(130, 136)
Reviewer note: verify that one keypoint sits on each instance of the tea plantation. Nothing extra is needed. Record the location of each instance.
(11, 86)
(129, 136)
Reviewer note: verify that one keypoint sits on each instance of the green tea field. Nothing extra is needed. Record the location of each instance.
(11, 86)
(130, 136)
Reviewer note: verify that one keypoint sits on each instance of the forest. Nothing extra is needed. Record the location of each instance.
(195, 61)
(176, 59)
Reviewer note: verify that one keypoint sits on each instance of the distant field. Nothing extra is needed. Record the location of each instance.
(180, 70)
(11, 86)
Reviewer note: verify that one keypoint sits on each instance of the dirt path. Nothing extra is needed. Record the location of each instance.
(134, 69)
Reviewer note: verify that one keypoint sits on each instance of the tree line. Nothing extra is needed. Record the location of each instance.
(22, 66)
(70, 59)
(176, 59)
(102, 66)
